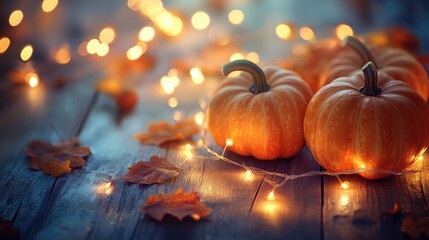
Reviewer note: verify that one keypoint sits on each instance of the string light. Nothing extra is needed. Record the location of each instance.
(200, 20)
(306, 33)
(49, 5)
(199, 118)
(105, 188)
(345, 185)
(253, 57)
(343, 30)
(271, 196)
(32, 79)
(196, 75)
(92, 46)
(146, 34)
(62, 55)
(172, 102)
(134, 53)
(107, 35)
(236, 16)
(284, 31)
(420, 158)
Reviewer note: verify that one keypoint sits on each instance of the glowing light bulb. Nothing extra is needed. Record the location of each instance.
(248, 172)
(271, 196)
(32, 79)
(105, 188)
(229, 142)
(200, 20)
(344, 199)
(107, 35)
(188, 147)
(343, 31)
(26, 53)
(199, 118)
(284, 31)
(362, 166)
(345, 185)
(146, 34)
(236, 16)
(15, 18)
(306, 33)
(420, 158)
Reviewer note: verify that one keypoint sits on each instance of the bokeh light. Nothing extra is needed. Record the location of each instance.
(4, 44)
(284, 31)
(107, 35)
(62, 55)
(200, 20)
(146, 34)
(343, 30)
(306, 33)
(49, 5)
(26, 53)
(236, 16)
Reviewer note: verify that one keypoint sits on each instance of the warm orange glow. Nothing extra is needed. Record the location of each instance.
(32, 79)
(344, 199)
(146, 34)
(168, 84)
(345, 185)
(92, 46)
(62, 55)
(49, 5)
(420, 158)
(248, 175)
(343, 31)
(105, 188)
(173, 102)
(253, 57)
(199, 118)
(200, 20)
(229, 142)
(306, 33)
(284, 31)
(135, 52)
(196, 75)
(4, 44)
(26, 52)
(102, 49)
(236, 16)
(15, 18)
(107, 35)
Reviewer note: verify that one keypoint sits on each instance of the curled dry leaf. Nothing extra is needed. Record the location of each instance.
(178, 204)
(416, 227)
(124, 94)
(162, 132)
(7, 231)
(395, 210)
(157, 170)
(56, 159)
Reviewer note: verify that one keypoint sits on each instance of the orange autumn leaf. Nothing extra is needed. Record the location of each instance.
(124, 94)
(56, 159)
(157, 170)
(162, 132)
(178, 204)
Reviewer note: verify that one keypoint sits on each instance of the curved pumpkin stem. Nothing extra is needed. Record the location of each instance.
(360, 48)
(259, 82)
(371, 78)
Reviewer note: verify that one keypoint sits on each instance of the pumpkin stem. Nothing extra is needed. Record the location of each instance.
(360, 48)
(259, 82)
(371, 78)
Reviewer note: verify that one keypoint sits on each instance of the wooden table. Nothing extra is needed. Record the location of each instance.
(69, 207)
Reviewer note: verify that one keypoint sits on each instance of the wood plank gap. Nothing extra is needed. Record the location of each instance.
(259, 188)
(16, 212)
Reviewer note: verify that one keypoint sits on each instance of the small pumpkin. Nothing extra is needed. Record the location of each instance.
(261, 111)
(383, 125)
(395, 62)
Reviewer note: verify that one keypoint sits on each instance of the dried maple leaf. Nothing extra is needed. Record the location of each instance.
(395, 210)
(178, 204)
(7, 231)
(162, 132)
(416, 227)
(56, 159)
(157, 170)
(124, 94)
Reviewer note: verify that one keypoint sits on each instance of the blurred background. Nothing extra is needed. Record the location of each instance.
(52, 33)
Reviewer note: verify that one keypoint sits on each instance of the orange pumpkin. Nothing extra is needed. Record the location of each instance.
(383, 125)
(395, 62)
(261, 111)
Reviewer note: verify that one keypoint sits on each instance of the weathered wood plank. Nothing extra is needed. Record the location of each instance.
(296, 211)
(358, 213)
(24, 191)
